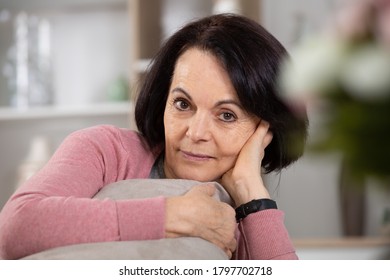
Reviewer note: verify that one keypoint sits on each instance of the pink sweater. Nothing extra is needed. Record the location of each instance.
(54, 208)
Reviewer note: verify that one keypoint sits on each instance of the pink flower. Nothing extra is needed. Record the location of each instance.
(383, 21)
(361, 18)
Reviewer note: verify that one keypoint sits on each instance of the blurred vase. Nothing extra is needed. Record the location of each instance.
(353, 202)
(33, 72)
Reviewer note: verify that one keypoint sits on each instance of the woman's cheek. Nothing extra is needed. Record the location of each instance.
(231, 145)
(230, 151)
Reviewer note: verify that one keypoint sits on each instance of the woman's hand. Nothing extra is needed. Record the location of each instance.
(198, 214)
(243, 181)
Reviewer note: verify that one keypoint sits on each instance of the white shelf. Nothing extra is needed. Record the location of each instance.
(90, 110)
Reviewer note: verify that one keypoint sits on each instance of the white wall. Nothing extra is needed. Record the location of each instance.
(91, 50)
(290, 19)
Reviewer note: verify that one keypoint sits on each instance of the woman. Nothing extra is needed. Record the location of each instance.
(208, 111)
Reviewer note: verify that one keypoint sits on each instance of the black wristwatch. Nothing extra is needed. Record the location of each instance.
(254, 206)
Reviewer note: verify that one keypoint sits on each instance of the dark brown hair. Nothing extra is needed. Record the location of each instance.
(252, 58)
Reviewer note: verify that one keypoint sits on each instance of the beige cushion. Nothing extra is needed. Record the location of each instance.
(175, 248)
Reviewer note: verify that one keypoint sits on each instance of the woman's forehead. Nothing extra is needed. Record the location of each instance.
(200, 71)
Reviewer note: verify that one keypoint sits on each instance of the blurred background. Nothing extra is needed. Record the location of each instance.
(70, 64)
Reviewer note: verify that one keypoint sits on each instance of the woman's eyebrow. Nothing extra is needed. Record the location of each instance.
(183, 91)
(229, 101)
(219, 103)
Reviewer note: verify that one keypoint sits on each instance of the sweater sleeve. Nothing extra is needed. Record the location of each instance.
(56, 206)
(263, 236)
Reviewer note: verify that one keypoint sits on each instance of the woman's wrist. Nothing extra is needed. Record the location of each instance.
(175, 226)
(248, 190)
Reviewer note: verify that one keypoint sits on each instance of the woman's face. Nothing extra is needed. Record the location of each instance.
(205, 124)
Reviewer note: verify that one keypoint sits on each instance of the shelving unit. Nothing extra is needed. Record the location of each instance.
(87, 46)
(72, 110)
(50, 112)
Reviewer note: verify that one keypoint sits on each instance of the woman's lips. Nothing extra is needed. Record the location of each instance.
(195, 156)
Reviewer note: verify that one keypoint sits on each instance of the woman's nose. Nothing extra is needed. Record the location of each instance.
(199, 127)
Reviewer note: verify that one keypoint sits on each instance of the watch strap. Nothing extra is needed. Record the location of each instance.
(253, 206)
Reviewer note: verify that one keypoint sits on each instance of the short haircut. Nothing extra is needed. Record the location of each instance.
(252, 58)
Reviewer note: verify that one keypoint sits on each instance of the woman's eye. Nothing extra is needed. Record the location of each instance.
(227, 117)
(181, 105)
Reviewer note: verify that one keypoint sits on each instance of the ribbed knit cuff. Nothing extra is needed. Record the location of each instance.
(141, 219)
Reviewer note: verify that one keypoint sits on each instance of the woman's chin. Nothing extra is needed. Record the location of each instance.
(200, 177)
